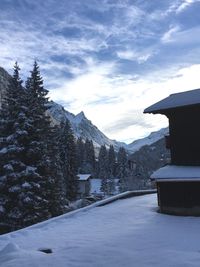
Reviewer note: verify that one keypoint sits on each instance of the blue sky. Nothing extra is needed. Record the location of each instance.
(109, 58)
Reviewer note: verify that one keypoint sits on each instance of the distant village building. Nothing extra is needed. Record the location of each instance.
(178, 184)
(84, 185)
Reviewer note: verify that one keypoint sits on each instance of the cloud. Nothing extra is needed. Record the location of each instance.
(185, 4)
(139, 56)
(185, 37)
(131, 118)
(115, 104)
(109, 58)
(169, 35)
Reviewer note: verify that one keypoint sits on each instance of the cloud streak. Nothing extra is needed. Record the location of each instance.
(108, 58)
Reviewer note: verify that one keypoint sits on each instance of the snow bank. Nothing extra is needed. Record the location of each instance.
(125, 233)
(11, 254)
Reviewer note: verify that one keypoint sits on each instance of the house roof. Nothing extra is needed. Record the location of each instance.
(84, 177)
(173, 172)
(177, 100)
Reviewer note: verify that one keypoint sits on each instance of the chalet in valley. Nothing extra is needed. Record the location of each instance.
(178, 184)
(84, 185)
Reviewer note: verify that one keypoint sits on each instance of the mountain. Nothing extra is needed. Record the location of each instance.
(149, 157)
(81, 126)
(149, 140)
(5, 81)
(147, 154)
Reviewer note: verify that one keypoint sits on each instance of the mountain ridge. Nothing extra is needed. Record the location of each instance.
(81, 125)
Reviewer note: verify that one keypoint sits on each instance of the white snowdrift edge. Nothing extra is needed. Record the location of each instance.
(103, 202)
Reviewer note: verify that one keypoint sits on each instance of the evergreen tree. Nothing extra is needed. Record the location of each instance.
(89, 161)
(59, 202)
(38, 156)
(111, 169)
(80, 151)
(31, 176)
(103, 168)
(111, 161)
(13, 138)
(68, 159)
(122, 169)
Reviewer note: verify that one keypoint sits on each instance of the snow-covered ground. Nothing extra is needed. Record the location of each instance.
(124, 233)
(95, 186)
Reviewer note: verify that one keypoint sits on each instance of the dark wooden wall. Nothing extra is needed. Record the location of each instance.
(179, 194)
(184, 130)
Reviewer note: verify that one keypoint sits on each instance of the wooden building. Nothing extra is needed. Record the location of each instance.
(84, 185)
(179, 183)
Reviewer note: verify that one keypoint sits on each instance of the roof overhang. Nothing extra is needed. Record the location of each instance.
(177, 173)
(175, 101)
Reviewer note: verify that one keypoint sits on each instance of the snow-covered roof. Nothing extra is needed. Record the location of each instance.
(173, 172)
(187, 98)
(125, 233)
(84, 177)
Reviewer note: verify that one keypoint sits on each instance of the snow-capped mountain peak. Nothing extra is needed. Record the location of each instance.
(79, 117)
(149, 140)
(81, 126)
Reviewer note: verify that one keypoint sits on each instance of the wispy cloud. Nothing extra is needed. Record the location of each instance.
(184, 37)
(169, 35)
(139, 56)
(108, 58)
(185, 4)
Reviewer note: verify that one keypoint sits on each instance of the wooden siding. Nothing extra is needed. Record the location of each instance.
(184, 129)
(179, 197)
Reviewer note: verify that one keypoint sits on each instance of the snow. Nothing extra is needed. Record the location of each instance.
(127, 233)
(149, 140)
(26, 185)
(12, 253)
(187, 98)
(79, 117)
(84, 177)
(174, 172)
(81, 126)
(4, 150)
(95, 186)
(8, 167)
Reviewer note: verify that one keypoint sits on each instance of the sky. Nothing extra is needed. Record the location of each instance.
(108, 58)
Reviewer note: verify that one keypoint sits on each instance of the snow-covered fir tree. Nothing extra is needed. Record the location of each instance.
(122, 169)
(80, 151)
(58, 202)
(85, 156)
(27, 163)
(111, 170)
(37, 154)
(111, 161)
(68, 160)
(14, 126)
(103, 168)
(89, 157)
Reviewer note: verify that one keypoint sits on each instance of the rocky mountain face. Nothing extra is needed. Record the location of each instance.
(5, 81)
(146, 155)
(149, 153)
(81, 126)
(149, 140)
(148, 159)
